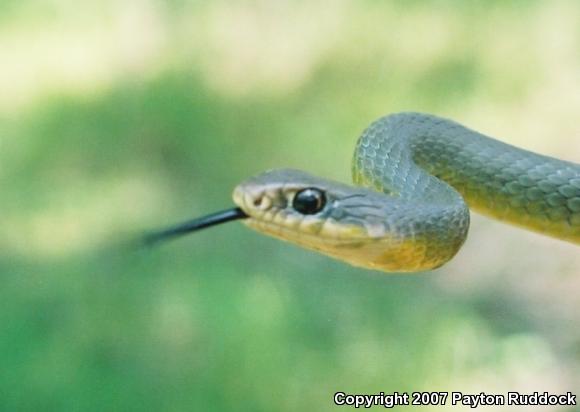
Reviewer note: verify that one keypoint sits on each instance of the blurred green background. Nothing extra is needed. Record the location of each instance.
(121, 116)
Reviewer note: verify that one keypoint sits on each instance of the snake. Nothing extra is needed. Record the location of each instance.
(416, 177)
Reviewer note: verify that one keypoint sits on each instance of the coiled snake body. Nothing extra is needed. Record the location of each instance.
(415, 177)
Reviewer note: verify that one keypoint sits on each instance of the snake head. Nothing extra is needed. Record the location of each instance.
(353, 224)
(296, 205)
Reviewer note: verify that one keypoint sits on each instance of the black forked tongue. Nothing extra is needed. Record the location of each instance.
(194, 225)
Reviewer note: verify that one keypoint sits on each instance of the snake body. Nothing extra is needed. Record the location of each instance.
(416, 177)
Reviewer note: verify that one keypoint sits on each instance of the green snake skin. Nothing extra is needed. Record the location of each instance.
(424, 171)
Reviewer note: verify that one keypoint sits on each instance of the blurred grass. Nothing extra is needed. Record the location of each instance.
(119, 117)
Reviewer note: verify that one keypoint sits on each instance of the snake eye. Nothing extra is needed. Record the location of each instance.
(309, 201)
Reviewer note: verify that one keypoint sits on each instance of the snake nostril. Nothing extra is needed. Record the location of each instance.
(262, 202)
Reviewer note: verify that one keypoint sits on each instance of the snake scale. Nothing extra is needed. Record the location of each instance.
(416, 177)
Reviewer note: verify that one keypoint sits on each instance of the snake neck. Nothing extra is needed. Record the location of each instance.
(428, 160)
(432, 216)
